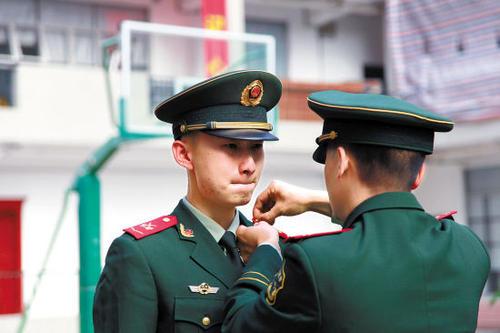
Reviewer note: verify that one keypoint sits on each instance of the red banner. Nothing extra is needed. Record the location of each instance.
(216, 53)
(10, 257)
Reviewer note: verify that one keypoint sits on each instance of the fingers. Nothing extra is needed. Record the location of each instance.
(245, 243)
(245, 257)
(269, 216)
(251, 237)
(263, 203)
(267, 206)
(240, 231)
(246, 251)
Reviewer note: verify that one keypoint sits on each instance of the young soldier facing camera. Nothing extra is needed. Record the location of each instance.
(171, 274)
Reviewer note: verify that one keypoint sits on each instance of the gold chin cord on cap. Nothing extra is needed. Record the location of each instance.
(328, 136)
(213, 125)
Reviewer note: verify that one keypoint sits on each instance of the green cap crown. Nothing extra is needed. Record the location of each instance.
(232, 105)
(374, 120)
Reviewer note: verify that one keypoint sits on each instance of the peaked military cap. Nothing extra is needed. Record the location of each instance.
(374, 120)
(231, 105)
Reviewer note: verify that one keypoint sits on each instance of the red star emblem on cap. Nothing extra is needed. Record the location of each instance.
(252, 94)
(255, 92)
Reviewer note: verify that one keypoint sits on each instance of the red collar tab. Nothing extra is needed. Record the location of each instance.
(151, 227)
(287, 238)
(446, 215)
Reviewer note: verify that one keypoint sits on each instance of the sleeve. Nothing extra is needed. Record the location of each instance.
(286, 302)
(482, 255)
(126, 298)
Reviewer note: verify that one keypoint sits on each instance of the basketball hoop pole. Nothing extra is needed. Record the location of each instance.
(89, 222)
(87, 185)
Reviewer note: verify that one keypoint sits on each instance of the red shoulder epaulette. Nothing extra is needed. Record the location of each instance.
(446, 215)
(287, 238)
(152, 227)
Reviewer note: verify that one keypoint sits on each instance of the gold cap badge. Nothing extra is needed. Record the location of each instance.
(252, 94)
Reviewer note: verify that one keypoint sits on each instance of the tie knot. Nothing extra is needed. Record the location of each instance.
(228, 240)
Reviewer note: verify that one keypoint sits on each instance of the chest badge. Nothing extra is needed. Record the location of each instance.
(204, 289)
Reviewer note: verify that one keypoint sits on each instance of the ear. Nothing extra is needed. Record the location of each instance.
(420, 177)
(343, 159)
(182, 154)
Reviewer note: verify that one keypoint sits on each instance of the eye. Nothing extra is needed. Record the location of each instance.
(257, 146)
(231, 146)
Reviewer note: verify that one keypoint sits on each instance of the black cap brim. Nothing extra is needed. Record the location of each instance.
(244, 134)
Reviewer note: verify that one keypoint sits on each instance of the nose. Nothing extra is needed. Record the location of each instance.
(247, 164)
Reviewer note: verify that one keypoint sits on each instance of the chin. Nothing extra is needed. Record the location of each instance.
(241, 199)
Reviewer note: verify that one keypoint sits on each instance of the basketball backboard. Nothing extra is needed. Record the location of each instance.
(148, 62)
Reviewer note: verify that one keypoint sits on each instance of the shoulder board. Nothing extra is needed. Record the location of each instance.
(446, 215)
(287, 238)
(151, 227)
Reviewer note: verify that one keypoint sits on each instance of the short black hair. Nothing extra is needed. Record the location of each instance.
(191, 134)
(390, 168)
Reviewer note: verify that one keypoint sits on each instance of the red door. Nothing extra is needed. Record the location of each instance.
(10, 257)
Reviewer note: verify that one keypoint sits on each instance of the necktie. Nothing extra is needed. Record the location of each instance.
(228, 242)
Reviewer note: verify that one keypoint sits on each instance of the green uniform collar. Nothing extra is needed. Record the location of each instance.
(386, 200)
(213, 227)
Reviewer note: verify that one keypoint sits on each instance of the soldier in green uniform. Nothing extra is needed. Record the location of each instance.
(171, 274)
(394, 267)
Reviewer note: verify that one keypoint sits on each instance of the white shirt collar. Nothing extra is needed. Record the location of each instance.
(213, 227)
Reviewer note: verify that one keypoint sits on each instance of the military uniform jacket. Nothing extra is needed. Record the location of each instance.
(397, 270)
(145, 284)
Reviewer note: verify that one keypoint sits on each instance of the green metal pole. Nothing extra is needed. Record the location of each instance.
(89, 214)
(89, 230)
(89, 210)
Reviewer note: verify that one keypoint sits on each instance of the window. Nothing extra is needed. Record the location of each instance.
(28, 41)
(140, 51)
(374, 78)
(6, 86)
(279, 31)
(85, 48)
(4, 40)
(161, 89)
(64, 32)
(19, 34)
(57, 45)
(483, 200)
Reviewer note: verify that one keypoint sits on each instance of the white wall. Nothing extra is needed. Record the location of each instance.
(302, 41)
(356, 40)
(57, 105)
(443, 190)
(42, 190)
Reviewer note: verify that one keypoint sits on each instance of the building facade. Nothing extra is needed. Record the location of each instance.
(54, 112)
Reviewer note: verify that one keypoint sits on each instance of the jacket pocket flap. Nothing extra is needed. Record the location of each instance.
(201, 311)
